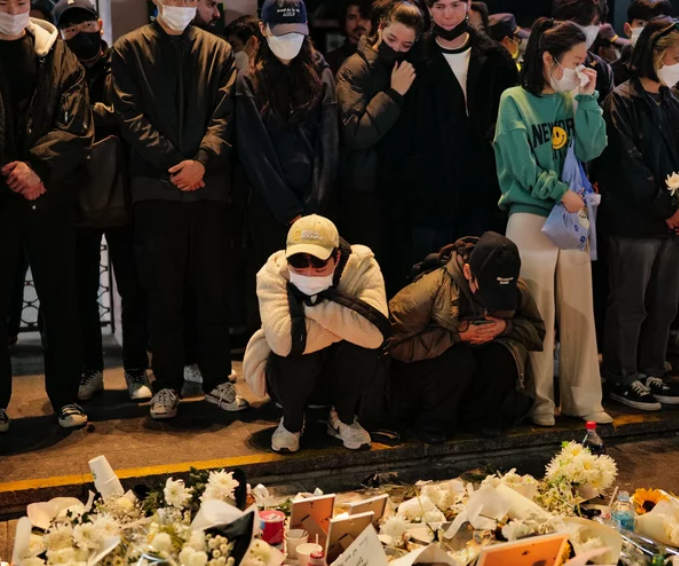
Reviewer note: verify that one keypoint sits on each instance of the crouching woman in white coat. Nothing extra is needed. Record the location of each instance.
(324, 320)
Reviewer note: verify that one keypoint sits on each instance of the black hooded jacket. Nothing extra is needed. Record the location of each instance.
(292, 166)
(173, 99)
(643, 149)
(59, 125)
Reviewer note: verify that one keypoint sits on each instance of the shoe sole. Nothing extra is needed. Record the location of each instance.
(228, 407)
(140, 398)
(165, 416)
(667, 400)
(68, 424)
(283, 450)
(545, 424)
(89, 397)
(635, 404)
(332, 432)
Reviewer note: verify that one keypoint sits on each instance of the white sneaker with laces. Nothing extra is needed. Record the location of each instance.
(285, 441)
(353, 436)
(226, 398)
(4, 421)
(71, 416)
(91, 383)
(138, 385)
(164, 404)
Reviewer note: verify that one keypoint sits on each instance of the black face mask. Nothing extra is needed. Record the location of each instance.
(452, 34)
(86, 45)
(390, 56)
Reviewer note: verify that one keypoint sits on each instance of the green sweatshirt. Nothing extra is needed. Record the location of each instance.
(531, 142)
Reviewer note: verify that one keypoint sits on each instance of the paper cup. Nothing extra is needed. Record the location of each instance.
(293, 539)
(105, 480)
(304, 552)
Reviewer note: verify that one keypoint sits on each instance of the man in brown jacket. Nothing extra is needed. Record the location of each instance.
(462, 333)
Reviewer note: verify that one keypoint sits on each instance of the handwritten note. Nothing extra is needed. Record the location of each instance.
(366, 550)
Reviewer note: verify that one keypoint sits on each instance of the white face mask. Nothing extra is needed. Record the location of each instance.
(12, 25)
(636, 32)
(177, 18)
(591, 32)
(285, 47)
(311, 286)
(669, 75)
(567, 83)
(242, 60)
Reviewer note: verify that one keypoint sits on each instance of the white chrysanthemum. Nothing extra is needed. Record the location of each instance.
(415, 508)
(197, 559)
(435, 494)
(87, 536)
(434, 516)
(62, 556)
(220, 485)
(395, 527)
(59, 537)
(107, 526)
(185, 555)
(197, 541)
(162, 542)
(176, 493)
(608, 469)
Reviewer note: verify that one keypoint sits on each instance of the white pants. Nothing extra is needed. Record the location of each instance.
(561, 283)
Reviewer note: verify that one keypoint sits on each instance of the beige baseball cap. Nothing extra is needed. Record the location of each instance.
(313, 235)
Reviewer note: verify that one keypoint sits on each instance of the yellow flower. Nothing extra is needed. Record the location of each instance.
(646, 499)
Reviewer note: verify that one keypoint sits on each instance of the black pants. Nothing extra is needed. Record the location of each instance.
(134, 312)
(184, 248)
(467, 388)
(45, 229)
(266, 236)
(16, 306)
(341, 372)
(644, 293)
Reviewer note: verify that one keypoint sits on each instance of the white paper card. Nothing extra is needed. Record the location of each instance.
(366, 550)
(432, 554)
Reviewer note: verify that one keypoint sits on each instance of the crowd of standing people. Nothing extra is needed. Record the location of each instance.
(377, 214)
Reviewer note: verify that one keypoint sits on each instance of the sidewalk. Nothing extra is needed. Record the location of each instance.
(38, 460)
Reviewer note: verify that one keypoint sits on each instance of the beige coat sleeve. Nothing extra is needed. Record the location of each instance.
(347, 323)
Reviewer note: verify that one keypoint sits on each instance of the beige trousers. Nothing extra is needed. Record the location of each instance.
(561, 283)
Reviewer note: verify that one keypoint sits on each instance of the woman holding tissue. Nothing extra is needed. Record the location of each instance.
(556, 105)
(639, 175)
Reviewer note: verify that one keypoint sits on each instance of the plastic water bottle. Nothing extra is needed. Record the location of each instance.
(623, 511)
(593, 441)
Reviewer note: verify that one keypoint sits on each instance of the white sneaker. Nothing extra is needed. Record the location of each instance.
(4, 421)
(353, 436)
(164, 404)
(285, 441)
(138, 385)
(91, 383)
(543, 419)
(600, 417)
(226, 398)
(71, 416)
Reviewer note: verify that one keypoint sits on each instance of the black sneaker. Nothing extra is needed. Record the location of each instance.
(635, 395)
(666, 393)
(71, 416)
(4, 421)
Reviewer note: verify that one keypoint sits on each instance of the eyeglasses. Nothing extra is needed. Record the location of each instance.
(302, 261)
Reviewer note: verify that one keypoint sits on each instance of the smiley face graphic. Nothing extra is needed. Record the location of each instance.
(559, 137)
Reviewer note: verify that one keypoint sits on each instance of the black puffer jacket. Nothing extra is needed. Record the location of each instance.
(174, 100)
(643, 149)
(59, 124)
(369, 108)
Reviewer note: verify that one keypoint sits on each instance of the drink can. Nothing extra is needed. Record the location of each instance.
(273, 526)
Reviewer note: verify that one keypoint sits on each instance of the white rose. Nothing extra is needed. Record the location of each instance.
(162, 542)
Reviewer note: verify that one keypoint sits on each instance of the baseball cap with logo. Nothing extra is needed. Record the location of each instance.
(313, 235)
(496, 264)
(504, 25)
(285, 16)
(64, 6)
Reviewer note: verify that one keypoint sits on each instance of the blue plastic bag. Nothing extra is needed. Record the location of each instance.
(573, 230)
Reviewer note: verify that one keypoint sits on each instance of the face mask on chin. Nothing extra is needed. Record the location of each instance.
(567, 83)
(177, 18)
(636, 33)
(669, 75)
(13, 25)
(452, 34)
(311, 286)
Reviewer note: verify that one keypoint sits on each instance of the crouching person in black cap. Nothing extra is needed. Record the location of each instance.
(324, 320)
(462, 332)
